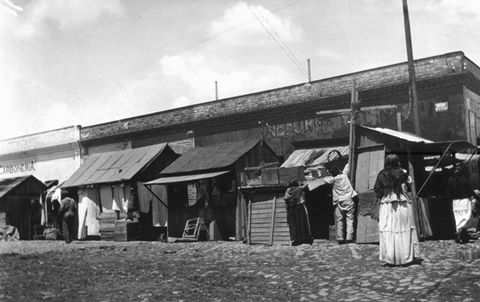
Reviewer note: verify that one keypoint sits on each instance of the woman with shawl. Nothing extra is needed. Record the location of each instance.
(398, 237)
(297, 215)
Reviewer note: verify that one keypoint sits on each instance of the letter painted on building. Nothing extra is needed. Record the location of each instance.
(18, 168)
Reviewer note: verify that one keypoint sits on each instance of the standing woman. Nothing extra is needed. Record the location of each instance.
(297, 215)
(398, 237)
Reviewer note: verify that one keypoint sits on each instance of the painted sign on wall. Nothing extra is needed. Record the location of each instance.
(306, 127)
(17, 168)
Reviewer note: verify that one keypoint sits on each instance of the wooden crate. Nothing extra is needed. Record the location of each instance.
(285, 174)
(270, 176)
(252, 176)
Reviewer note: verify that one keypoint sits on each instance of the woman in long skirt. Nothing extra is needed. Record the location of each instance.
(398, 237)
(297, 215)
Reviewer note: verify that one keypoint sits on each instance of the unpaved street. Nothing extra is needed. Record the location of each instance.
(230, 271)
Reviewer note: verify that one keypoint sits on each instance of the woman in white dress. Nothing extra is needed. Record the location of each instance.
(398, 237)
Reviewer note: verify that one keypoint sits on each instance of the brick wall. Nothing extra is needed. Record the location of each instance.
(391, 75)
(42, 141)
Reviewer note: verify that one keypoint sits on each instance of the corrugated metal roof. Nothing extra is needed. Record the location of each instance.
(312, 157)
(112, 167)
(8, 184)
(210, 157)
(183, 178)
(401, 135)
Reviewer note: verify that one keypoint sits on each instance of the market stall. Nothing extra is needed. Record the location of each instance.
(204, 182)
(113, 203)
(19, 204)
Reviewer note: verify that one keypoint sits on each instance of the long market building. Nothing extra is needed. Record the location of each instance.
(307, 115)
(314, 114)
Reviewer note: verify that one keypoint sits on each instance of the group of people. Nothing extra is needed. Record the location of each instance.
(398, 240)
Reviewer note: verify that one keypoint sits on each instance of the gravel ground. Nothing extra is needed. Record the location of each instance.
(231, 271)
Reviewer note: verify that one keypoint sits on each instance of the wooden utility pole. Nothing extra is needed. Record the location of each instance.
(354, 105)
(411, 70)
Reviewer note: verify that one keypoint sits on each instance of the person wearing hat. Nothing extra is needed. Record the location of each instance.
(342, 196)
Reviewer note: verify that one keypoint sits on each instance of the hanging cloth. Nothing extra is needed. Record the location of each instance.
(119, 199)
(144, 198)
(106, 196)
(159, 211)
(88, 211)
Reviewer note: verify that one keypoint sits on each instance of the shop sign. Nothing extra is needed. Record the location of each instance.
(17, 168)
(315, 125)
(440, 107)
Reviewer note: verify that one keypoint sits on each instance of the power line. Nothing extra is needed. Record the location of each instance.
(148, 63)
(274, 35)
(285, 46)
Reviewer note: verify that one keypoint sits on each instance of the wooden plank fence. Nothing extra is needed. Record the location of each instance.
(267, 222)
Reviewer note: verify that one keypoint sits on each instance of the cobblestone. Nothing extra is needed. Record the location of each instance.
(220, 271)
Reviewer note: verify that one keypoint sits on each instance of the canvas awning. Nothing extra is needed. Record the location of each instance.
(113, 167)
(184, 178)
(409, 137)
(313, 157)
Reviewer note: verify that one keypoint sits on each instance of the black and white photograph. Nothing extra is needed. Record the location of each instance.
(239, 150)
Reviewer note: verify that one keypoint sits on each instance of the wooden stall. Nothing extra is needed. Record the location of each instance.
(113, 203)
(264, 189)
(203, 183)
(19, 203)
(428, 163)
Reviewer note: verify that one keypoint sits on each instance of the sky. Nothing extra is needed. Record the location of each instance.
(85, 62)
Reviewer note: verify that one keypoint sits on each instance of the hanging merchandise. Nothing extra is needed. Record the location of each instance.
(192, 194)
(159, 211)
(106, 197)
(128, 201)
(119, 199)
(144, 198)
(88, 211)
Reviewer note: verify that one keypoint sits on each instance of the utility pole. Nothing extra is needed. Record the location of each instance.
(354, 105)
(411, 70)
(309, 71)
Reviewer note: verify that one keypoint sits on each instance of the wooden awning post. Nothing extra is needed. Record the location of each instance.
(421, 221)
(353, 123)
(411, 172)
(249, 223)
(272, 230)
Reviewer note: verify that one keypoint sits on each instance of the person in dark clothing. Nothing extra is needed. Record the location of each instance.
(297, 215)
(67, 212)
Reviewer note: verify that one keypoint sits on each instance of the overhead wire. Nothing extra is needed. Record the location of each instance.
(180, 51)
(276, 37)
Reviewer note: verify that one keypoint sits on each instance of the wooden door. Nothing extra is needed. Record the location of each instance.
(370, 161)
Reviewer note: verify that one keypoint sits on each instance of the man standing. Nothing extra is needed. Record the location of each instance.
(342, 195)
(67, 212)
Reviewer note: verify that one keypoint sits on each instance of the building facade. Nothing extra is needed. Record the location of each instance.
(316, 113)
(49, 155)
